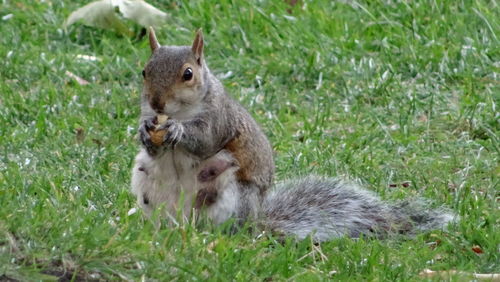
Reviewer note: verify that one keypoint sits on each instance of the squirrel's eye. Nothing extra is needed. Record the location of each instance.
(188, 74)
(143, 74)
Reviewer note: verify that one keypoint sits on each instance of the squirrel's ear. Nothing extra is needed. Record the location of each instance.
(197, 47)
(153, 42)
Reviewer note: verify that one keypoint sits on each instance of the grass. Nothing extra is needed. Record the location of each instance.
(379, 91)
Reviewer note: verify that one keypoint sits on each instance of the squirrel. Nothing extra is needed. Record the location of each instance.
(203, 120)
(216, 158)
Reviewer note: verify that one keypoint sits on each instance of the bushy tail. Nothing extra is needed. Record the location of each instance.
(420, 217)
(326, 208)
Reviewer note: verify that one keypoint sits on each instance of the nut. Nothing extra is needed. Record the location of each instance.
(157, 135)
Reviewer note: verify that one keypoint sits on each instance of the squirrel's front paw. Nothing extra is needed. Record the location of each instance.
(174, 129)
(146, 126)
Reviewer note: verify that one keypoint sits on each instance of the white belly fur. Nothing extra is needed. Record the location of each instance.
(163, 182)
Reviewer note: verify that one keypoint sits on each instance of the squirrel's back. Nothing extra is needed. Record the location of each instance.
(251, 148)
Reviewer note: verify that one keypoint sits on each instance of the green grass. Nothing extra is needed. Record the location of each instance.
(379, 92)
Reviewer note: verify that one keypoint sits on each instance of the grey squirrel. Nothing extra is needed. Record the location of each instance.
(215, 157)
(203, 120)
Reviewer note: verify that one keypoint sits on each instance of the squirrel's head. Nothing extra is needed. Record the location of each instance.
(174, 77)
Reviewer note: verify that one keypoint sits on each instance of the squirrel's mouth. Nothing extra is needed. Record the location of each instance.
(171, 108)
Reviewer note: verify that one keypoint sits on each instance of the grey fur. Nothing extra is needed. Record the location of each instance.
(327, 208)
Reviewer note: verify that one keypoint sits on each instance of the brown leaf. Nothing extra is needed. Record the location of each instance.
(477, 249)
(292, 3)
(80, 135)
(405, 184)
(97, 141)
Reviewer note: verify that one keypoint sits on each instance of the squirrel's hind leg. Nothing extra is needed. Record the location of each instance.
(220, 193)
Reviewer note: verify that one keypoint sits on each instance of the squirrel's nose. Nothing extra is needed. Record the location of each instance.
(157, 105)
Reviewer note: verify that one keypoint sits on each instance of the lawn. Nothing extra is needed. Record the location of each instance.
(400, 96)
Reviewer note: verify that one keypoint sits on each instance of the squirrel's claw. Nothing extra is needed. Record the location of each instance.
(150, 123)
(146, 126)
(175, 130)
